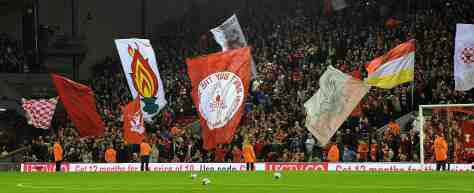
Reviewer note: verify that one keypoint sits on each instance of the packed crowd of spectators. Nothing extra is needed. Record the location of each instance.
(291, 51)
(12, 56)
(436, 29)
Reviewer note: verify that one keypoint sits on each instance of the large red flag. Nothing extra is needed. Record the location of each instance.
(80, 105)
(220, 85)
(133, 129)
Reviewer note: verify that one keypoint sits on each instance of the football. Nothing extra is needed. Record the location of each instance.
(206, 181)
(193, 176)
(277, 175)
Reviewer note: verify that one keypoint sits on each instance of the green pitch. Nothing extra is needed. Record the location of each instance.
(227, 182)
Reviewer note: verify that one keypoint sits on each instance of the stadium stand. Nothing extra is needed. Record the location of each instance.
(291, 51)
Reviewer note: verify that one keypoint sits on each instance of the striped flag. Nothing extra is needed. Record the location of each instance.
(393, 68)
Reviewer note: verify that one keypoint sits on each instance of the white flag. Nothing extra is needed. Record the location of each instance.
(464, 57)
(139, 65)
(229, 36)
(337, 96)
(338, 4)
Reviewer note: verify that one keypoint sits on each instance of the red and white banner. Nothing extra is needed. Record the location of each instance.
(43, 167)
(218, 167)
(393, 167)
(296, 166)
(220, 86)
(131, 167)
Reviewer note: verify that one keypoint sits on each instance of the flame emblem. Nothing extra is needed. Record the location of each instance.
(144, 79)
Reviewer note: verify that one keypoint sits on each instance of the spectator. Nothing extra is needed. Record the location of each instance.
(111, 154)
(333, 153)
(309, 143)
(154, 154)
(4, 151)
(236, 155)
(349, 155)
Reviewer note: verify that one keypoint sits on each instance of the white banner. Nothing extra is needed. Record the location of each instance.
(394, 167)
(336, 98)
(464, 57)
(131, 167)
(219, 167)
(143, 77)
(229, 36)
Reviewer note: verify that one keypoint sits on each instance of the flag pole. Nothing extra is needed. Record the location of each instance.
(412, 95)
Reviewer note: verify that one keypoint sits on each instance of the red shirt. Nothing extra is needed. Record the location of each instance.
(220, 154)
(237, 155)
(259, 146)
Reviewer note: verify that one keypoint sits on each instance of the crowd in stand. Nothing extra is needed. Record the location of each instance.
(436, 29)
(291, 53)
(12, 57)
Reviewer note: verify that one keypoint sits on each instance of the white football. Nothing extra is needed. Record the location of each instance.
(277, 175)
(193, 176)
(206, 181)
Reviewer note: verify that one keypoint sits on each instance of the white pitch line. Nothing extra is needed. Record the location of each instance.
(258, 186)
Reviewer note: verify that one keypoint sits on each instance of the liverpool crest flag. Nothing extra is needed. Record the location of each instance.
(220, 85)
(139, 66)
(133, 127)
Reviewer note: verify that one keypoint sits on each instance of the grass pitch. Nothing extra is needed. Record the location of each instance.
(256, 182)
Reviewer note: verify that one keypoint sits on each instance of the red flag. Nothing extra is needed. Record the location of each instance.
(358, 109)
(220, 85)
(80, 105)
(327, 7)
(133, 128)
(468, 135)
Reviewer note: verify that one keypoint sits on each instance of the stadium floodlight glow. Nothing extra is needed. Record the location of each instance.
(421, 118)
(2, 109)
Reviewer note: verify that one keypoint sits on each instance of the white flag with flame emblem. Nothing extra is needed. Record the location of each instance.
(143, 77)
